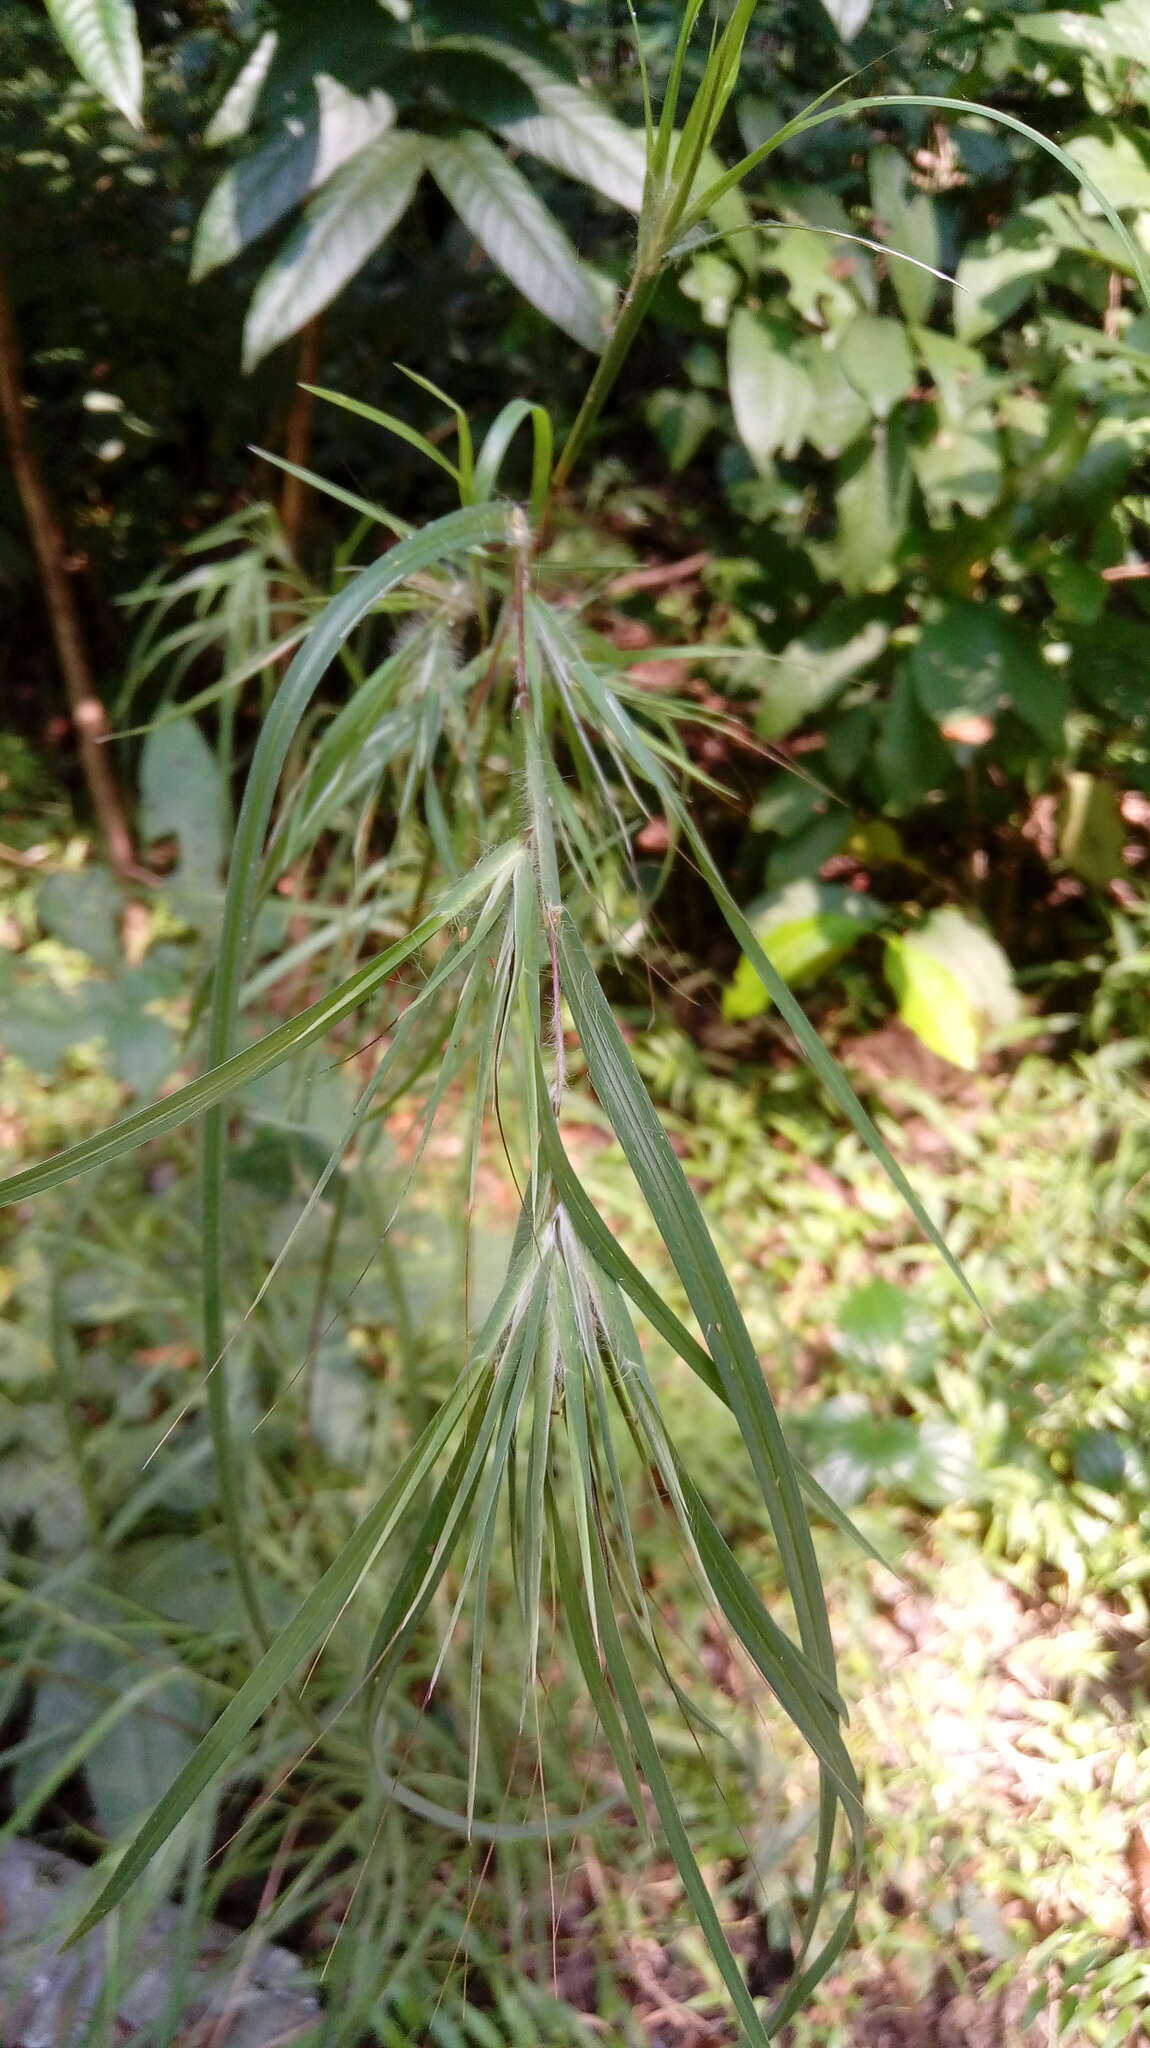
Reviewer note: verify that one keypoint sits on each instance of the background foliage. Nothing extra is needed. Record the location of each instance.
(862, 553)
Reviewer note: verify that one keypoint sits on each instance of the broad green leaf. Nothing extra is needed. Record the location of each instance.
(906, 221)
(101, 38)
(342, 227)
(911, 757)
(261, 188)
(997, 275)
(574, 133)
(838, 411)
(524, 239)
(182, 796)
(1110, 667)
(963, 380)
(873, 502)
(83, 910)
(771, 394)
(849, 16)
(680, 422)
(875, 357)
(1113, 159)
(135, 1761)
(1121, 29)
(812, 670)
(853, 1453)
(961, 466)
(953, 986)
(971, 660)
(1091, 832)
(804, 930)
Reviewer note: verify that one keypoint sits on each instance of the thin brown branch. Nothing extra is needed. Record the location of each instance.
(657, 575)
(89, 720)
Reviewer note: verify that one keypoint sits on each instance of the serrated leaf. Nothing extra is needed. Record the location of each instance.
(875, 357)
(521, 236)
(804, 930)
(771, 394)
(101, 38)
(342, 227)
(258, 191)
(953, 986)
(972, 659)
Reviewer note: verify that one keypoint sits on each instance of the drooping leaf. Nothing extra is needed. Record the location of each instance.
(680, 422)
(953, 985)
(521, 236)
(973, 659)
(875, 357)
(804, 930)
(771, 394)
(102, 40)
(342, 227)
(260, 189)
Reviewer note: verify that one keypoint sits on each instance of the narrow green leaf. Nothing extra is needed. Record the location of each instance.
(391, 424)
(684, 1231)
